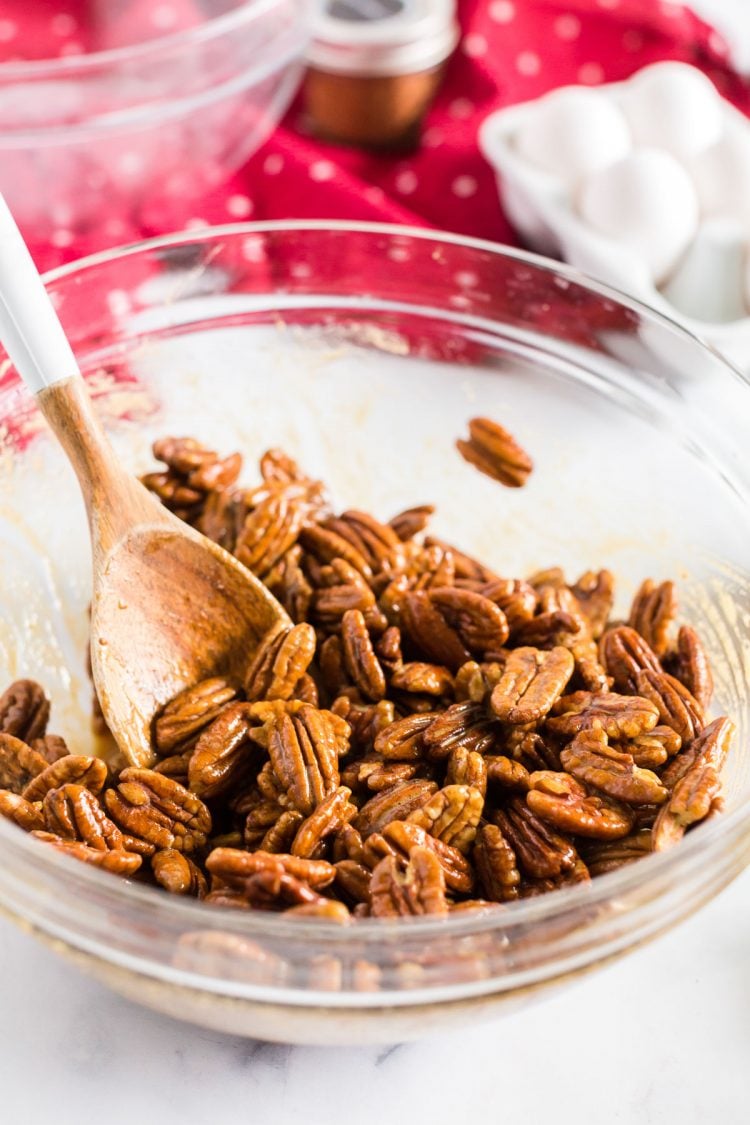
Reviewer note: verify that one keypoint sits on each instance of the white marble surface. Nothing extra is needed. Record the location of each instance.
(661, 1038)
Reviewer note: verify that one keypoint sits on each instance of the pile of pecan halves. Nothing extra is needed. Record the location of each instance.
(427, 737)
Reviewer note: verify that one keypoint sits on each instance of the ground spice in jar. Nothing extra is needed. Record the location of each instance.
(374, 68)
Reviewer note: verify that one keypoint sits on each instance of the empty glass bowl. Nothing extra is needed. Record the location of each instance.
(130, 135)
(363, 350)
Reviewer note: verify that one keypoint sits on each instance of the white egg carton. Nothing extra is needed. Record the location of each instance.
(712, 272)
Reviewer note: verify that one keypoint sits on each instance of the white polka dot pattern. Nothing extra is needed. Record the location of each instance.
(464, 187)
(502, 11)
(239, 206)
(406, 181)
(322, 170)
(567, 27)
(528, 63)
(474, 46)
(591, 74)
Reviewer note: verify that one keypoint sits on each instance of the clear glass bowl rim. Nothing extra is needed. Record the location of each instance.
(704, 842)
(70, 66)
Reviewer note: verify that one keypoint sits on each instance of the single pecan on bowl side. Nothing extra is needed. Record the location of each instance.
(496, 453)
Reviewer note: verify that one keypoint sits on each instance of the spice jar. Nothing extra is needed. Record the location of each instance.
(374, 67)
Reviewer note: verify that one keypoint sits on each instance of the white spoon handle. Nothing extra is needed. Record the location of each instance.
(29, 328)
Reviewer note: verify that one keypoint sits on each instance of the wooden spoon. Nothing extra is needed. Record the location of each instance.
(169, 607)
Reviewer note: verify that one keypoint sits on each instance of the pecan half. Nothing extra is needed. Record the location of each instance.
(505, 771)
(410, 522)
(516, 598)
(594, 592)
(19, 764)
(559, 799)
(330, 816)
(475, 682)
(117, 861)
(624, 653)
(608, 855)
(496, 453)
(288, 583)
(467, 767)
(710, 748)
(429, 631)
(677, 707)
(20, 811)
(24, 710)
(278, 838)
(74, 813)
(304, 745)
(429, 679)
(236, 867)
(495, 862)
(73, 768)
(402, 836)
(590, 759)
(52, 747)
(280, 663)
(396, 803)
(270, 529)
(420, 889)
(158, 810)
(178, 874)
(619, 716)
(403, 740)
(692, 666)
(462, 724)
(451, 815)
(541, 852)
(652, 749)
(330, 911)
(479, 622)
(354, 879)
(221, 757)
(690, 802)
(359, 656)
(190, 711)
(327, 545)
(652, 613)
(531, 682)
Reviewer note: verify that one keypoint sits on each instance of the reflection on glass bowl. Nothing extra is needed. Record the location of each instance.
(364, 350)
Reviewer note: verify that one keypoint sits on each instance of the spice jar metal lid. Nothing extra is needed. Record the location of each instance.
(378, 38)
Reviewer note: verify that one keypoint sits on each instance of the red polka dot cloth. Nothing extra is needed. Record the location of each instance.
(510, 51)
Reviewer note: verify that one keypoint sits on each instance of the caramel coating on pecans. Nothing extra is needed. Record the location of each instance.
(531, 682)
(158, 810)
(496, 453)
(24, 710)
(419, 889)
(19, 764)
(428, 736)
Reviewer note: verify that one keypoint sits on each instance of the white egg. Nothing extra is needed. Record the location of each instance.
(673, 106)
(722, 174)
(573, 131)
(645, 201)
(709, 282)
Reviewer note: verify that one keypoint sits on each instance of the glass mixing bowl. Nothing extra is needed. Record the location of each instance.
(364, 350)
(130, 135)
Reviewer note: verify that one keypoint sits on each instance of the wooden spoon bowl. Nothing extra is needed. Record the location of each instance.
(169, 607)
